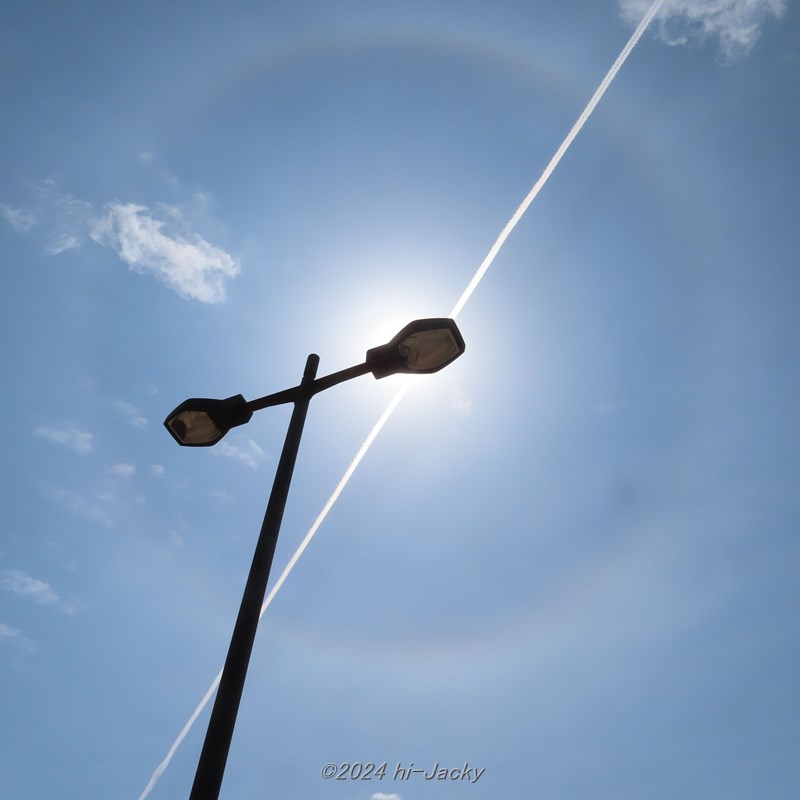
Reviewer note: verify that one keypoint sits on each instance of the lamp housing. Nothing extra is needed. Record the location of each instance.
(423, 346)
(202, 422)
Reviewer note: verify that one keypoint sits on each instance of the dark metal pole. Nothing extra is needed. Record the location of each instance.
(210, 768)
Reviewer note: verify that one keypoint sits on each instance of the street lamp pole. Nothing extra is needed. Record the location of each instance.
(423, 346)
(211, 767)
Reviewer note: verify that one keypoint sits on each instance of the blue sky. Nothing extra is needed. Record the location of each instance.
(569, 559)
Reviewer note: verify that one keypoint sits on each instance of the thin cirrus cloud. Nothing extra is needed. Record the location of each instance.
(130, 412)
(124, 470)
(67, 227)
(736, 23)
(63, 220)
(249, 454)
(159, 242)
(69, 436)
(79, 504)
(20, 219)
(7, 632)
(20, 583)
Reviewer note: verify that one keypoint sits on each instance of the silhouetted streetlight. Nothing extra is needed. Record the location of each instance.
(423, 346)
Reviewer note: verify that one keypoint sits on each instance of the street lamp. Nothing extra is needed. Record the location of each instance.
(423, 346)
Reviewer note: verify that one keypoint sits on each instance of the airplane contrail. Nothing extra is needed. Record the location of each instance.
(462, 301)
(376, 429)
(559, 154)
(181, 736)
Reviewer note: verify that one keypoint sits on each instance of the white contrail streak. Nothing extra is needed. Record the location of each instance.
(473, 284)
(181, 736)
(376, 429)
(548, 170)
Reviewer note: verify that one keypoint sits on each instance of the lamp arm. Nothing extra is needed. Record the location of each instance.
(320, 384)
(315, 387)
(275, 399)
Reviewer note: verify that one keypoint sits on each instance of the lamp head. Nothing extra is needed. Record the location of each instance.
(200, 422)
(423, 346)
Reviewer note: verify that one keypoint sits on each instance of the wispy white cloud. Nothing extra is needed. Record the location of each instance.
(736, 23)
(98, 515)
(222, 499)
(184, 261)
(79, 504)
(7, 632)
(61, 242)
(160, 242)
(249, 453)
(12, 635)
(66, 220)
(130, 412)
(70, 436)
(124, 470)
(157, 471)
(18, 582)
(20, 219)
(384, 796)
